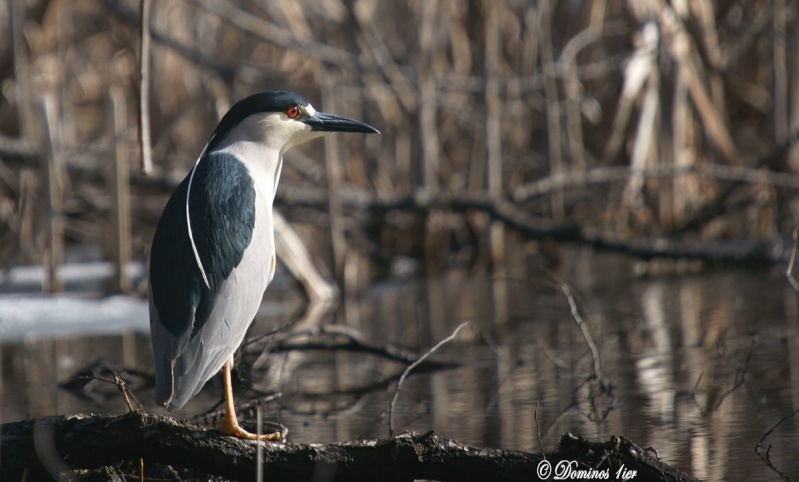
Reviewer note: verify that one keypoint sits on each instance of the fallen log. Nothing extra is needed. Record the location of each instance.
(93, 447)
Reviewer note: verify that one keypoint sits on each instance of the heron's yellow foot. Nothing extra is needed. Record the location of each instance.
(230, 426)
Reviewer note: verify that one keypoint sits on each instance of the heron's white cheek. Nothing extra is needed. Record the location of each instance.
(282, 133)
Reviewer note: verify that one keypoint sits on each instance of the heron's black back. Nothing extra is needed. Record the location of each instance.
(222, 213)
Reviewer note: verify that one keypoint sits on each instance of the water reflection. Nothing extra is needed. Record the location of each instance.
(698, 366)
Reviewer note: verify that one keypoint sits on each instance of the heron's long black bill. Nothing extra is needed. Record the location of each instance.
(322, 122)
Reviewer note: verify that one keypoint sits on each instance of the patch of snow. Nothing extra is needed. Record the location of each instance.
(53, 316)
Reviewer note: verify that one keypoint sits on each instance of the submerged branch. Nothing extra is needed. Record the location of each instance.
(335, 338)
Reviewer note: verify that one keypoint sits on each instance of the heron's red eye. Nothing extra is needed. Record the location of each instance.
(293, 111)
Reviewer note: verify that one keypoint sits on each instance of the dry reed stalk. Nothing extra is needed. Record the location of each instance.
(793, 153)
(779, 45)
(493, 131)
(18, 14)
(28, 127)
(27, 186)
(636, 73)
(119, 186)
(555, 140)
(428, 102)
(335, 176)
(682, 156)
(645, 134)
(144, 90)
(681, 50)
(494, 140)
(435, 233)
(703, 10)
(573, 88)
(54, 174)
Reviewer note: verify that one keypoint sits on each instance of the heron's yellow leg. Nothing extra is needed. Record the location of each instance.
(230, 424)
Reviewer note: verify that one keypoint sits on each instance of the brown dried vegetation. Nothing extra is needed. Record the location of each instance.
(622, 117)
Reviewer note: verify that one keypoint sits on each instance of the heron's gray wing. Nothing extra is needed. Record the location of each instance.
(221, 205)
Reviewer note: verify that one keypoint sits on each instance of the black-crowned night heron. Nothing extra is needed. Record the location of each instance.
(213, 253)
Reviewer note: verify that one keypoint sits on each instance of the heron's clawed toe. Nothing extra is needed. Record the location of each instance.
(230, 426)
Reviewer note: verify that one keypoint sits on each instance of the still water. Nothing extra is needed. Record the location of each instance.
(700, 366)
